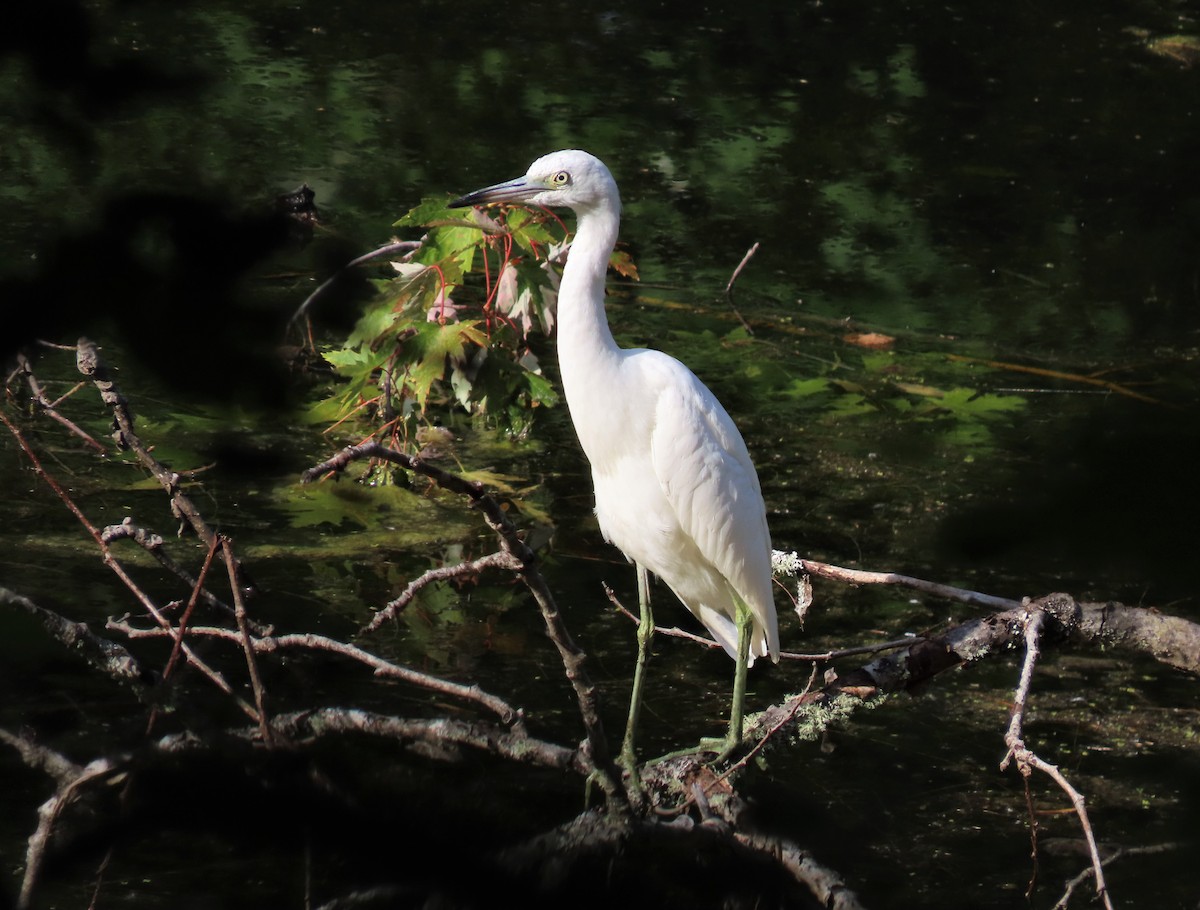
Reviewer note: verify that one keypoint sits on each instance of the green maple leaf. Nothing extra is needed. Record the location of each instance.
(426, 352)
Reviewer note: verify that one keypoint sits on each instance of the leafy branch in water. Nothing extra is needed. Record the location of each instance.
(433, 341)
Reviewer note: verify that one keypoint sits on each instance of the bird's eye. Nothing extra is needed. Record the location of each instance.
(562, 178)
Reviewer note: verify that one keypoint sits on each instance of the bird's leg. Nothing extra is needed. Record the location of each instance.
(645, 633)
(745, 626)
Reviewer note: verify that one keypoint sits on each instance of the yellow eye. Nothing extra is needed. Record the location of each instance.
(562, 178)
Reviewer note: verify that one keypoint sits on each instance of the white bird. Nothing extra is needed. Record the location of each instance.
(676, 491)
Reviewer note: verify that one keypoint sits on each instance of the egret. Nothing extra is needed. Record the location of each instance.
(675, 489)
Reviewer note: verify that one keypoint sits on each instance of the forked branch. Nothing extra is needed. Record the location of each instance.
(1028, 761)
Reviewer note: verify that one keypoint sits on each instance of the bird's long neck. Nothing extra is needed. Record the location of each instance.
(587, 352)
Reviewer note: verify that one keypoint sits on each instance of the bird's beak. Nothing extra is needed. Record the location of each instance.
(512, 191)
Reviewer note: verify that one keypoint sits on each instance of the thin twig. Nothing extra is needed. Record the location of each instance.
(49, 408)
(90, 365)
(1119, 853)
(186, 618)
(381, 668)
(766, 737)
(816, 656)
(1113, 387)
(513, 743)
(153, 544)
(859, 577)
(670, 631)
(729, 287)
(463, 570)
(408, 247)
(239, 606)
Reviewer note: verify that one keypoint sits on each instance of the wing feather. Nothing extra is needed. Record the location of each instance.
(706, 474)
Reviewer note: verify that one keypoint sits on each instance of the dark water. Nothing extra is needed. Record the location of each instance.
(1010, 183)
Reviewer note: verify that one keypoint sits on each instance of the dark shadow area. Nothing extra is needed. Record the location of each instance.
(374, 822)
(165, 273)
(1116, 496)
(162, 273)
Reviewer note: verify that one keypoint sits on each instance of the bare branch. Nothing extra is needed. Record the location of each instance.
(816, 657)
(89, 363)
(48, 814)
(247, 642)
(858, 577)
(1169, 639)
(1027, 760)
(1113, 856)
(573, 657)
(382, 668)
(153, 544)
(829, 888)
(464, 570)
(41, 758)
(49, 408)
(437, 737)
(115, 565)
(106, 656)
(436, 733)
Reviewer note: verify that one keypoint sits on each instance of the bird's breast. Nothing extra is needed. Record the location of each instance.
(612, 408)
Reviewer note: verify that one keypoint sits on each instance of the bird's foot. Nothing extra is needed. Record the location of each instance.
(720, 747)
(723, 747)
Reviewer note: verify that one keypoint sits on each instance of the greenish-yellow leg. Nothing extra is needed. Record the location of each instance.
(645, 633)
(745, 624)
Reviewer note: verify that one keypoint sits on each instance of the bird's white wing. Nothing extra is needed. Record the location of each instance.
(706, 474)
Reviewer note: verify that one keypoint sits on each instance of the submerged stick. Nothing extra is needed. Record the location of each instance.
(729, 287)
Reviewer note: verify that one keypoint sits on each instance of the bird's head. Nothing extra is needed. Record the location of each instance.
(568, 179)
